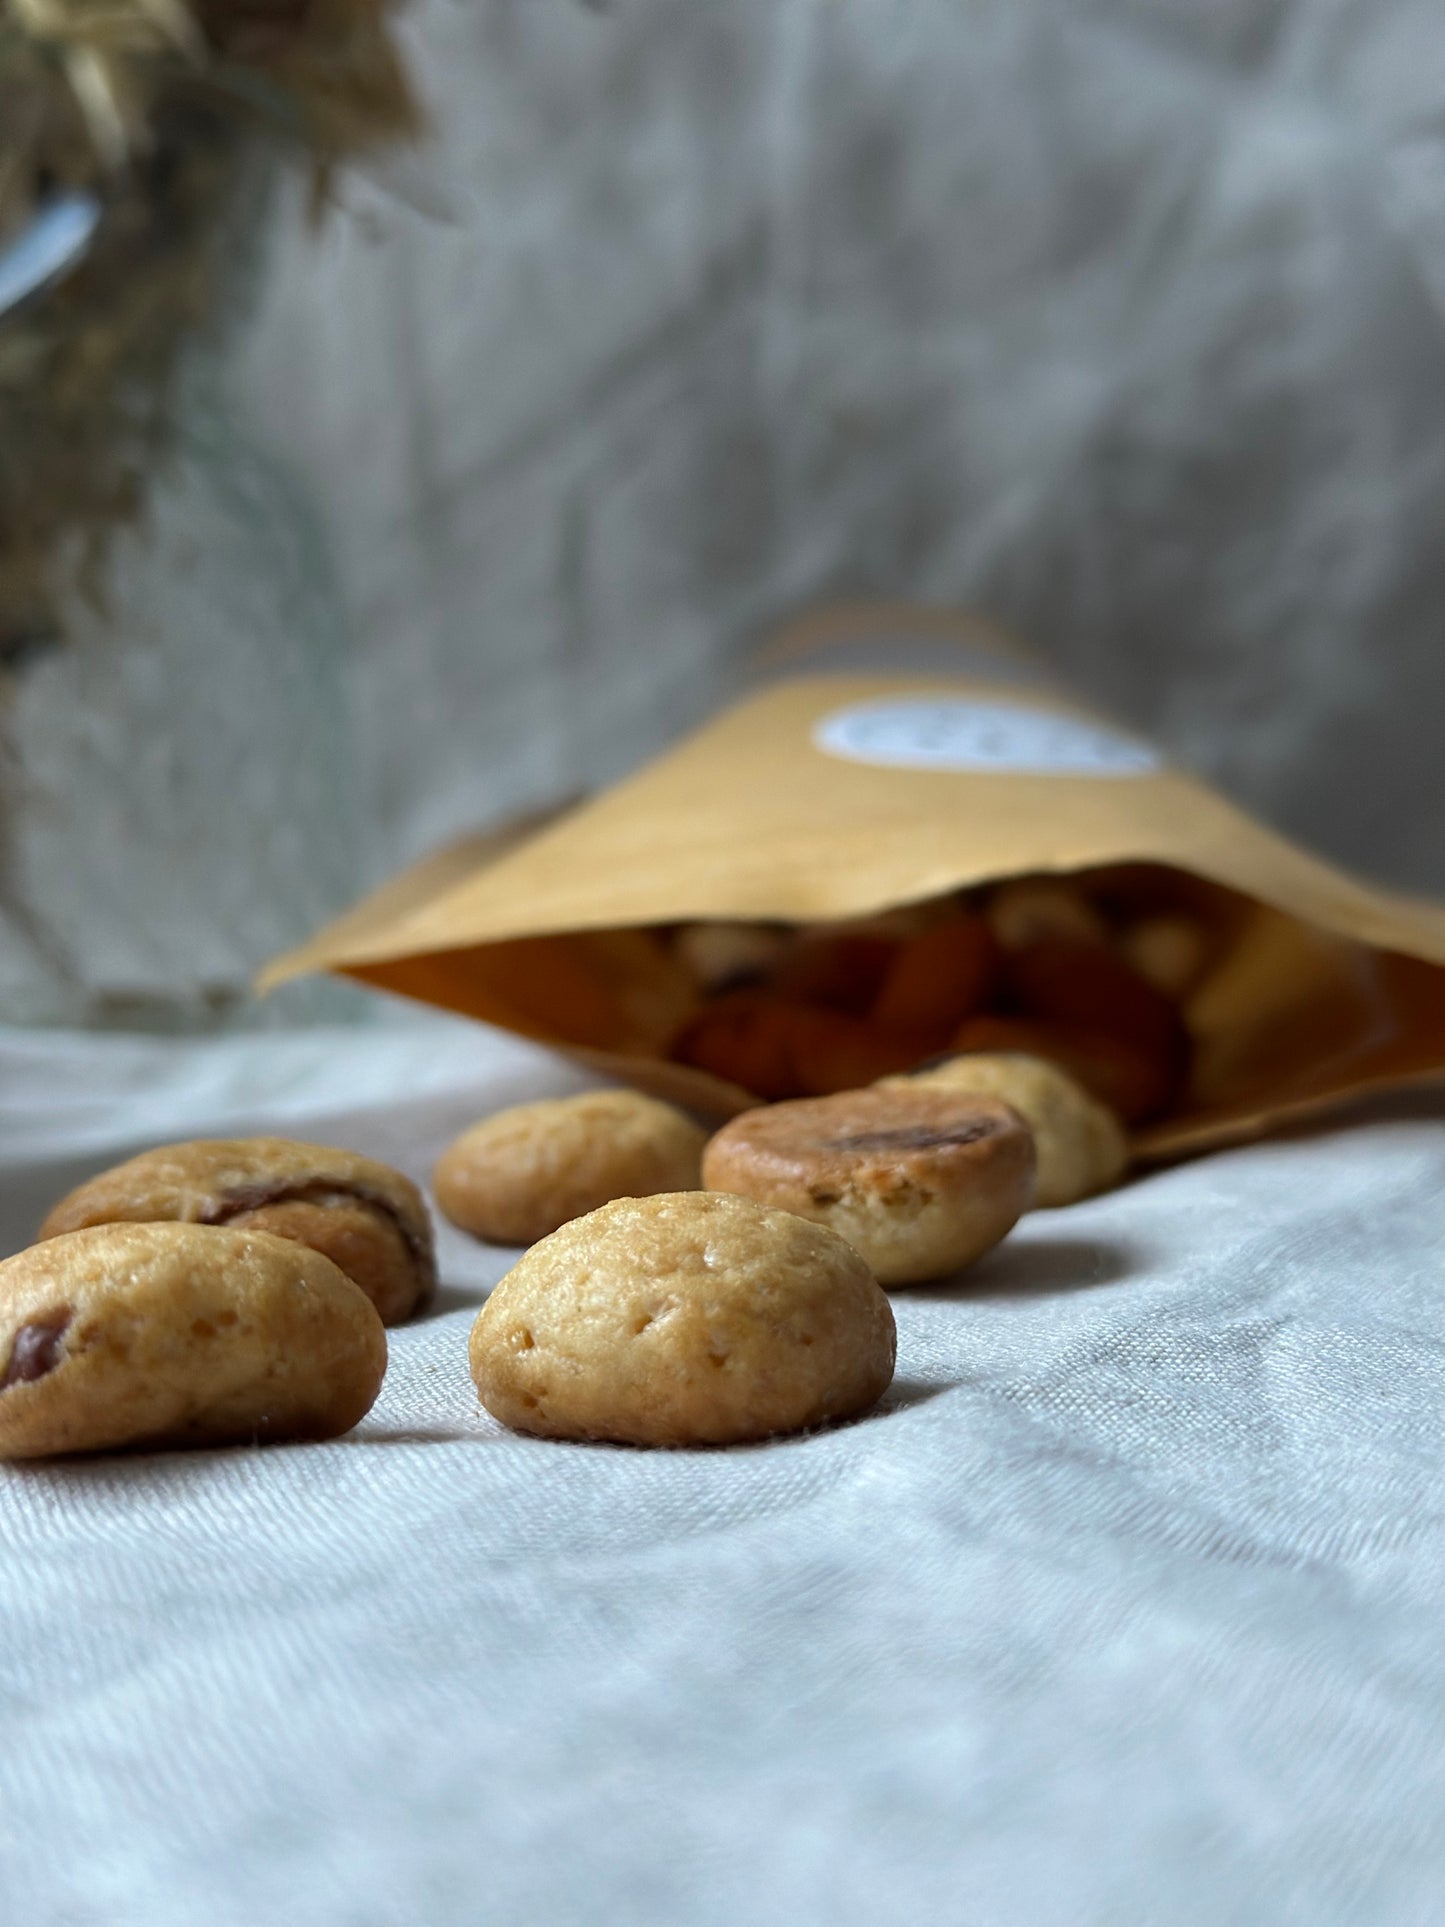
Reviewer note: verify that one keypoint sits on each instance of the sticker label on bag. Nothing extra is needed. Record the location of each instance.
(966, 733)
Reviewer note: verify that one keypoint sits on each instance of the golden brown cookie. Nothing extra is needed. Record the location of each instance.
(683, 1319)
(365, 1217)
(179, 1334)
(1080, 1143)
(516, 1176)
(920, 1181)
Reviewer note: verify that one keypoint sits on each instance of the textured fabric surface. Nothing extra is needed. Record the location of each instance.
(1125, 1608)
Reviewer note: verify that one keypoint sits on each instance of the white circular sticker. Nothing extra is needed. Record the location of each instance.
(964, 733)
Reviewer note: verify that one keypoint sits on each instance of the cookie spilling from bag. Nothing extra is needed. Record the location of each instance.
(910, 847)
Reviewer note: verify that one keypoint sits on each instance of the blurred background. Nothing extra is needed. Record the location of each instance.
(1122, 321)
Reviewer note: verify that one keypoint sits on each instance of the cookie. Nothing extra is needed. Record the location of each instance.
(920, 1181)
(365, 1217)
(519, 1175)
(1080, 1143)
(683, 1319)
(179, 1334)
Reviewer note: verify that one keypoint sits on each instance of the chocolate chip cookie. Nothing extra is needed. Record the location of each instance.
(365, 1217)
(179, 1334)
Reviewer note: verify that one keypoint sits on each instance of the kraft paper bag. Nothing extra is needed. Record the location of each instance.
(888, 759)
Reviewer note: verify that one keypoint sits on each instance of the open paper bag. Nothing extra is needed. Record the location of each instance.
(748, 899)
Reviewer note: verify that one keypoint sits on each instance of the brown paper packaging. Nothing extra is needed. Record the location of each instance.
(893, 756)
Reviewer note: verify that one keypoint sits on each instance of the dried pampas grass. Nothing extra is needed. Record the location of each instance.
(157, 108)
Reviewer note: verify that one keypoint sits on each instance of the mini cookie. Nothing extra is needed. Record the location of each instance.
(516, 1176)
(365, 1217)
(683, 1319)
(920, 1181)
(179, 1334)
(1080, 1143)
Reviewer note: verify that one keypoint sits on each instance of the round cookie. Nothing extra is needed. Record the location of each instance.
(683, 1319)
(517, 1176)
(1080, 1143)
(365, 1217)
(922, 1182)
(179, 1334)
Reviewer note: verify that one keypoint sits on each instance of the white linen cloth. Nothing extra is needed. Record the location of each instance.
(1125, 1608)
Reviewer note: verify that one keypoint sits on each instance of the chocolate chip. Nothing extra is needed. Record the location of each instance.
(255, 1197)
(914, 1137)
(36, 1349)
